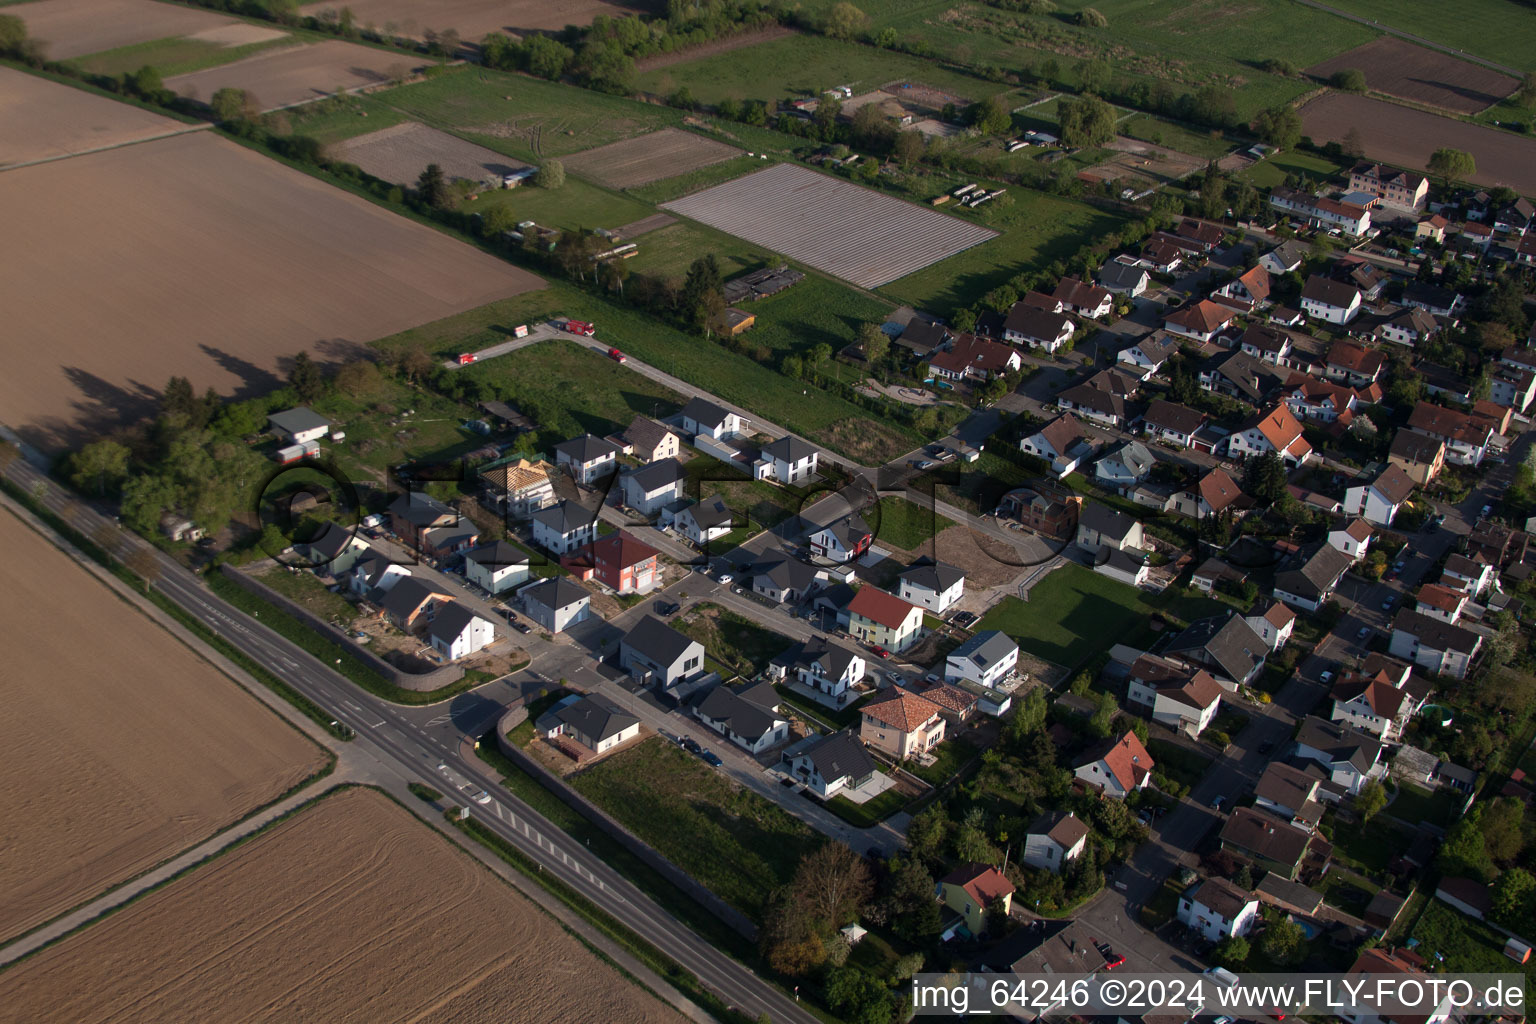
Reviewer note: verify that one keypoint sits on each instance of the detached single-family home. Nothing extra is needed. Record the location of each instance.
(1037, 328)
(972, 891)
(556, 603)
(1218, 910)
(1272, 843)
(934, 585)
(1252, 286)
(657, 655)
(413, 602)
(832, 764)
(1226, 646)
(1373, 705)
(1433, 644)
(1100, 527)
(595, 725)
(334, 550)
(650, 441)
(884, 620)
(456, 632)
(1355, 365)
(1474, 575)
(1289, 793)
(297, 426)
(1512, 387)
(1054, 840)
(788, 460)
(1433, 298)
(701, 416)
(1284, 258)
(988, 658)
(1205, 236)
(373, 575)
(1082, 298)
(1200, 320)
(975, 358)
(747, 716)
(1420, 456)
(1439, 601)
(1397, 967)
(1410, 326)
(1124, 467)
(496, 567)
(1274, 430)
(1178, 696)
(414, 513)
(1466, 439)
(842, 540)
(785, 579)
(823, 665)
(653, 486)
(1331, 301)
(623, 563)
(1307, 579)
(519, 488)
(1147, 356)
(1061, 442)
(1272, 621)
(1377, 501)
(1266, 344)
(1117, 768)
(1349, 756)
(1172, 423)
(1323, 401)
(563, 528)
(708, 520)
(901, 723)
(1351, 536)
(587, 458)
(1122, 277)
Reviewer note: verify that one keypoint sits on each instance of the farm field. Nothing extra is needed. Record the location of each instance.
(401, 152)
(349, 910)
(472, 19)
(574, 205)
(669, 249)
(180, 54)
(295, 74)
(854, 233)
(1481, 27)
(1399, 68)
(1407, 137)
(74, 28)
(111, 768)
(43, 120)
(649, 158)
(217, 233)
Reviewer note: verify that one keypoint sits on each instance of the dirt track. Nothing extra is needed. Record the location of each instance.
(41, 120)
(351, 910)
(73, 28)
(1398, 68)
(122, 748)
(192, 255)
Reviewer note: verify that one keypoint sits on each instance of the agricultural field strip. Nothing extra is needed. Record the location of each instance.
(1399, 68)
(296, 74)
(401, 152)
(45, 120)
(75, 28)
(647, 158)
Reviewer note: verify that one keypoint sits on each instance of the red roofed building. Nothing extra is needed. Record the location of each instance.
(883, 620)
(1355, 365)
(1117, 769)
(970, 356)
(1324, 401)
(1252, 288)
(619, 562)
(1275, 430)
(1466, 440)
(1441, 602)
(1215, 493)
(1373, 704)
(1200, 321)
(1083, 299)
(971, 890)
(1395, 966)
(901, 723)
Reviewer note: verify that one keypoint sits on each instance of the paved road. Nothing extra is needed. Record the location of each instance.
(440, 753)
(536, 334)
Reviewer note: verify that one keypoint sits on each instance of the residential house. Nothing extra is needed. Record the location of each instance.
(823, 665)
(412, 514)
(901, 723)
(1466, 440)
(519, 488)
(1323, 401)
(833, 764)
(1511, 387)
(1062, 442)
(884, 620)
(972, 891)
(1444, 382)
(1225, 645)
(623, 563)
(657, 655)
(988, 658)
(1273, 844)
(1316, 211)
(785, 579)
(1101, 397)
(1043, 510)
(1348, 756)
(1206, 236)
(413, 602)
(457, 632)
(1100, 527)
(1409, 326)
(1351, 536)
(1364, 276)
(1432, 227)
(298, 426)
(789, 460)
(1037, 328)
(563, 528)
(496, 567)
(594, 724)
(1432, 298)
(1272, 621)
(373, 575)
(975, 358)
(706, 521)
(1499, 418)
(1392, 968)
(957, 705)
(1291, 794)
(1402, 190)
(1218, 909)
(1433, 644)
(1147, 356)
(1215, 493)
(1515, 218)
(1329, 300)
(1172, 423)
(1182, 698)
(1164, 256)
(1378, 500)
(1474, 575)
(1496, 544)
(1124, 467)
(1439, 601)
(334, 550)
(1251, 287)
(1124, 278)
(1200, 320)
(1308, 579)
(842, 540)
(1284, 258)
(1054, 840)
(1241, 376)
(650, 441)
(934, 585)
(1128, 566)
(1274, 430)
(747, 716)
(1355, 365)
(1117, 768)
(1065, 948)
(1419, 456)
(587, 458)
(1266, 344)
(555, 603)
(1373, 705)
(701, 416)
(654, 486)
(1083, 299)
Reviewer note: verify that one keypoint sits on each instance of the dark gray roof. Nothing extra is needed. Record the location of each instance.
(554, 593)
(407, 595)
(1115, 274)
(1340, 743)
(452, 536)
(986, 648)
(711, 512)
(747, 711)
(789, 449)
(563, 518)
(1171, 415)
(450, 622)
(1436, 634)
(587, 448)
(419, 508)
(833, 658)
(840, 755)
(786, 573)
(1315, 573)
(595, 719)
(1329, 292)
(657, 475)
(1105, 520)
(705, 412)
(496, 555)
(645, 432)
(372, 566)
(331, 541)
(294, 421)
(1229, 643)
(848, 530)
(935, 576)
(658, 641)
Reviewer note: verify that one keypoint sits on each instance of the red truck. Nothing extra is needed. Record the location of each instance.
(581, 327)
(616, 355)
(465, 358)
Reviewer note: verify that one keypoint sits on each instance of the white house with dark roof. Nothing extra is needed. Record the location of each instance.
(563, 528)
(823, 665)
(555, 603)
(457, 632)
(1172, 423)
(654, 486)
(1474, 575)
(1100, 527)
(1037, 328)
(934, 585)
(788, 460)
(496, 567)
(1226, 646)
(747, 716)
(1331, 301)
(1125, 277)
(1272, 621)
(1307, 579)
(706, 520)
(658, 655)
(701, 416)
(595, 724)
(1146, 356)
(1349, 757)
(374, 574)
(1182, 698)
(842, 540)
(832, 764)
(1061, 442)
(987, 659)
(1351, 536)
(1218, 910)
(334, 550)
(1433, 644)
(1378, 500)
(587, 458)
(1124, 467)
(298, 426)
(783, 578)
(1054, 840)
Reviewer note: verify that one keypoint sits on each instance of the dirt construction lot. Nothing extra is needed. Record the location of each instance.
(855, 233)
(400, 153)
(352, 910)
(1399, 68)
(648, 158)
(122, 747)
(1406, 137)
(473, 19)
(42, 120)
(1143, 165)
(195, 256)
(73, 28)
(280, 78)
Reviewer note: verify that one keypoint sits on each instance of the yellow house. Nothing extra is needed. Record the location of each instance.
(901, 723)
(971, 889)
(885, 620)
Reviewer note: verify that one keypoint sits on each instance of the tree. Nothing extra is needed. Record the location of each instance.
(1348, 79)
(928, 834)
(13, 36)
(788, 937)
(1086, 121)
(857, 997)
(1264, 477)
(1094, 76)
(432, 187)
(1279, 126)
(306, 378)
(551, 175)
(179, 401)
(875, 342)
(1370, 800)
(1089, 17)
(1231, 952)
(844, 20)
(1463, 854)
(546, 57)
(145, 82)
(1353, 145)
(834, 882)
(1283, 941)
(1526, 97)
(701, 289)
(908, 148)
(360, 379)
(1451, 164)
(145, 564)
(231, 104)
(1512, 896)
(1500, 823)
(99, 466)
(992, 116)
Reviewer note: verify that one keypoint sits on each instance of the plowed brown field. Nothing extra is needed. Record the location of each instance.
(472, 19)
(349, 911)
(122, 747)
(294, 74)
(73, 28)
(42, 120)
(1399, 68)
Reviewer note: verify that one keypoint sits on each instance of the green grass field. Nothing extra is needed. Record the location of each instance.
(1272, 171)
(178, 55)
(737, 844)
(574, 205)
(1162, 132)
(902, 523)
(668, 251)
(1482, 27)
(1467, 945)
(816, 311)
(735, 641)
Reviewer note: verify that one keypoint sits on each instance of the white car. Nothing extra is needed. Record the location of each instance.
(480, 796)
(726, 577)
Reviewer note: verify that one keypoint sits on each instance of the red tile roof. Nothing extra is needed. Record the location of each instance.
(1204, 317)
(1281, 429)
(621, 550)
(876, 605)
(1219, 490)
(1127, 760)
(901, 709)
(981, 882)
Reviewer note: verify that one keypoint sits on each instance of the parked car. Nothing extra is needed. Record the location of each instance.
(922, 463)
(1364, 632)
(691, 745)
(895, 678)
(479, 796)
(667, 607)
(1487, 511)
(932, 677)
(726, 577)
(711, 759)
(1216, 802)
(878, 651)
(1386, 605)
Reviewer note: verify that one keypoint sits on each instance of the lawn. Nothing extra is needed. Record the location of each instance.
(1075, 613)
(949, 757)
(1149, 128)
(734, 842)
(572, 206)
(1414, 804)
(736, 642)
(870, 812)
(976, 487)
(304, 589)
(696, 180)
(1036, 229)
(1366, 848)
(904, 524)
(819, 713)
(1272, 171)
(1482, 27)
(178, 55)
(668, 251)
(380, 435)
(1468, 946)
(817, 311)
(763, 503)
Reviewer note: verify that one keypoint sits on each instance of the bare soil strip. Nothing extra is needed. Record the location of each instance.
(44, 120)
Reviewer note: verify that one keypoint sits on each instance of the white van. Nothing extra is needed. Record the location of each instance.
(1222, 976)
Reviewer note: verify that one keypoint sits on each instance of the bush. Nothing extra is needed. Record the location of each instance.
(551, 175)
(426, 793)
(1089, 17)
(1348, 79)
